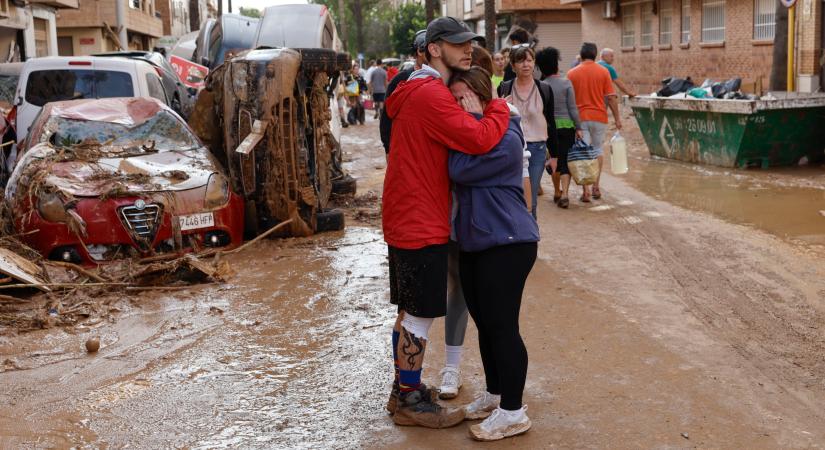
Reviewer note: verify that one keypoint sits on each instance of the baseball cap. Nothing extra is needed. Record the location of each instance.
(420, 41)
(451, 30)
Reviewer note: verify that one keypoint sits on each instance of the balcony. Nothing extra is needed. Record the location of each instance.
(59, 4)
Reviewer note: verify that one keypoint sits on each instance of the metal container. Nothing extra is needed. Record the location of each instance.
(734, 133)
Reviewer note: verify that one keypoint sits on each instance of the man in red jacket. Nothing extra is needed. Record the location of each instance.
(427, 122)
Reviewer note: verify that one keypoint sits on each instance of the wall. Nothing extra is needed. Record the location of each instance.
(643, 69)
(86, 41)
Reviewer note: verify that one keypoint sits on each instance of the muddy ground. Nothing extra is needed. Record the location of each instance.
(684, 310)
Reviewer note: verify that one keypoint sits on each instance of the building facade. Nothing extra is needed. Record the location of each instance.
(92, 27)
(175, 17)
(554, 24)
(29, 31)
(715, 39)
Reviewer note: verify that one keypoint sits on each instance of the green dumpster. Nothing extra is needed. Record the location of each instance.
(734, 133)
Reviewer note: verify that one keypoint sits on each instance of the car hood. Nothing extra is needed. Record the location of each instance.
(107, 176)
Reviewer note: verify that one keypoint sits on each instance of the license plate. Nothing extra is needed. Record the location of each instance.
(195, 221)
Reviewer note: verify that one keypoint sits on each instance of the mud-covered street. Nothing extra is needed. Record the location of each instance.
(684, 310)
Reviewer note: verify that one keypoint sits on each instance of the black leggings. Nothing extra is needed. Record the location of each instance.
(493, 281)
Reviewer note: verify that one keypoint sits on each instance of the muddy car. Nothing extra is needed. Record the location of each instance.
(117, 178)
(274, 135)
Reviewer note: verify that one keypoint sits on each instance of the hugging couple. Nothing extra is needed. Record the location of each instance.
(447, 127)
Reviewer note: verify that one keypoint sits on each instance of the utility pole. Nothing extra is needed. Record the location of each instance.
(120, 23)
(229, 6)
(430, 7)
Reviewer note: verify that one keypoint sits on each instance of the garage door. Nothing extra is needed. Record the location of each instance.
(565, 36)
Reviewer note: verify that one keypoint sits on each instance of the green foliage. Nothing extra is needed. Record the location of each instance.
(407, 19)
(250, 12)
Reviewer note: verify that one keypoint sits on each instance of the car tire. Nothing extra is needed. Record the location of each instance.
(330, 220)
(344, 186)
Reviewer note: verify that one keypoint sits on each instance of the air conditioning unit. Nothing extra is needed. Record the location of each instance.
(611, 9)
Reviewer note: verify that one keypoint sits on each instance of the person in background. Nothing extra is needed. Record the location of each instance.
(576, 61)
(606, 61)
(494, 265)
(370, 68)
(592, 85)
(417, 48)
(482, 58)
(392, 71)
(498, 69)
(354, 86)
(517, 37)
(377, 82)
(534, 101)
(568, 125)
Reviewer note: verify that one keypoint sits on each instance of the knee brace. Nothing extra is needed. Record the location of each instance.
(418, 326)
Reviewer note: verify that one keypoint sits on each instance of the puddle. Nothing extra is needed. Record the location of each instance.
(785, 202)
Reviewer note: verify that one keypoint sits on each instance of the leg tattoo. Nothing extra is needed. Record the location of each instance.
(411, 346)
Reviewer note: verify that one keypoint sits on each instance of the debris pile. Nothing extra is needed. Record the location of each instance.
(730, 89)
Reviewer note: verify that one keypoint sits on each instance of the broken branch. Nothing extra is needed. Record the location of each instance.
(259, 237)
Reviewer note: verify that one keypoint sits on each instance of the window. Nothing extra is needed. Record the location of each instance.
(443, 8)
(764, 20)
(44, 86)
(685, 22)
(4, 8)
(134, 4)
(468, 5)
(155, 88)
(646, 37)
(665, 22)
(713, 21)
(628, 25)
(41, 37)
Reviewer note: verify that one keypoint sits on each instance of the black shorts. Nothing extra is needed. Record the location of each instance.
(376, 97)
(418, 280)
(566, 139)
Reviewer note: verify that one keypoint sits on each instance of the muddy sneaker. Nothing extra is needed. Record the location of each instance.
(501, 424)
(392, 403)
(482, 406)
(450, 382)
(418, 408)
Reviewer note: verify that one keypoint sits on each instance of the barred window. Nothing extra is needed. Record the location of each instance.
(647, 24)
(713, 20)
(764, 20)
(628, 25)
(685, 22)
(665, 21)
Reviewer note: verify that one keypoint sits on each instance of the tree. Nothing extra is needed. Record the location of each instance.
(490, 24)
(362, 19)
(250, 12)
(406, 21)
(431, 8)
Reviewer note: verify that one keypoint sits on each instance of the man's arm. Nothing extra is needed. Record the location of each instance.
(622, 87)
(447, 123)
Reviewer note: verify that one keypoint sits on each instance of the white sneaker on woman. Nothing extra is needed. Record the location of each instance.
(450, 382)
(501, 424)
(482, 406)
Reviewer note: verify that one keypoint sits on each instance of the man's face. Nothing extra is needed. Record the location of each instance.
(608, 57)
(454, 56)
(420, 58)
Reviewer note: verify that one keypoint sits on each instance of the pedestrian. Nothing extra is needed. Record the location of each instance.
(416, 206)
(576, 61)
(370, 68)
(499, 62)
(392, 71)
(518, 36)
(606, 61)
(498, 239)
(377, 82)
(592, 85)
(417, 48)
(354, 86)
(341, 101)
(568, 125)
(536, 104)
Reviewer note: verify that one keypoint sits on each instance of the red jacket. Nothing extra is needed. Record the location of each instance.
(427, 121)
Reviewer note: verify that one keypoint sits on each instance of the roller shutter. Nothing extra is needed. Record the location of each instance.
(565, 36)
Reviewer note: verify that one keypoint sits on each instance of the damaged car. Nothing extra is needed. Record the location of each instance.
(119, 178)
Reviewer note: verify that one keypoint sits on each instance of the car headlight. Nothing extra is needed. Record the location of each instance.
(217, 191)
(51, 207)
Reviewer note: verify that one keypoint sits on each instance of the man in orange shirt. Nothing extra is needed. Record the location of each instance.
(592, 84)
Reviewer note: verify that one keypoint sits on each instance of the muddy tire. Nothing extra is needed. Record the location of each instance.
(330, 220)
(323, 60)
(344, 186)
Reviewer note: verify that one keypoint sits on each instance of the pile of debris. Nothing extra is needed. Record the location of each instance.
(673, 87)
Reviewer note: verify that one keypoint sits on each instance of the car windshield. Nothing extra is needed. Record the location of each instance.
(162, 132)
(46, 86)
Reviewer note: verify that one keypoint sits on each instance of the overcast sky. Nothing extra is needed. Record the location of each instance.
(259, 4)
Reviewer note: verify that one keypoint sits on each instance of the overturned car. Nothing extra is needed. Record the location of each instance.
(117, 178)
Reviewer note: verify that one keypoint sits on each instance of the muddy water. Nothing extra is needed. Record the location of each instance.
(291, 354)
(787, 202)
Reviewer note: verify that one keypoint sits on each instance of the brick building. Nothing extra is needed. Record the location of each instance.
(716, 39)
(175, 16)
(29, 31)
(84, 31)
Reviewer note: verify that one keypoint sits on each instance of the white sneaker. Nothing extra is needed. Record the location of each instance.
(501, 424)
(450, 382)
(482, 406)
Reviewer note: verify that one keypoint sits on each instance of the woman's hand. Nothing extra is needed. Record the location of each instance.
(471, 103)
(579, 134)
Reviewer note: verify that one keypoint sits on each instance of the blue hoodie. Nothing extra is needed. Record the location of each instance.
(491, 206)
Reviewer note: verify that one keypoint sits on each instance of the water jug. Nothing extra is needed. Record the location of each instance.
(618, 155)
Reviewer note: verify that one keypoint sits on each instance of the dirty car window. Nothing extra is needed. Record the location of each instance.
(8, 84)
(46, 86)
(163, 131)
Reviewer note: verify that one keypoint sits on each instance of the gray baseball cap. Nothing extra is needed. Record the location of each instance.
(450, 30)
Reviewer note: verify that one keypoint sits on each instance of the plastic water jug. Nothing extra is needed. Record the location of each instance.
(618, 154)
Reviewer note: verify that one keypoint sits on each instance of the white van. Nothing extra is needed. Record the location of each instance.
(52, 79)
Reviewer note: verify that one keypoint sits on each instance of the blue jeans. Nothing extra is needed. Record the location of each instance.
(538, 155)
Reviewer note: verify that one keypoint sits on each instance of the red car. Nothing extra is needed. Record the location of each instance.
(117, 178)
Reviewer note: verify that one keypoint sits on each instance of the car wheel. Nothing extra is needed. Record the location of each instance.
(329, 220)
(344, 186)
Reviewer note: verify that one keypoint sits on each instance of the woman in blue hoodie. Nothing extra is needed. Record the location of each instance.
(497, 236)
